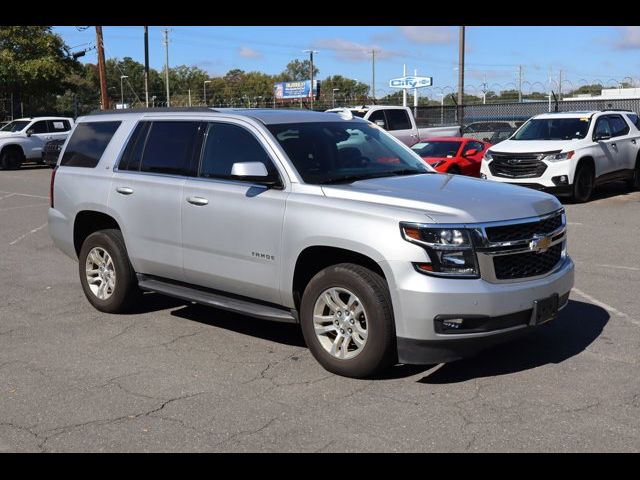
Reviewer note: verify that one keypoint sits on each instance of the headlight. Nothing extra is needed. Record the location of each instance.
(450, 250)
(556, 157)
(487, 156)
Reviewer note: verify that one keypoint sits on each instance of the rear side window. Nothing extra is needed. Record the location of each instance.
(87, 144)
(169, 148)
(398, 119)
(618, 126)
(56, 126)
(634, 119)
(132, 155)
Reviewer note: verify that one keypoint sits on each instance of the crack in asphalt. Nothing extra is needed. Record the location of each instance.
(246, 433)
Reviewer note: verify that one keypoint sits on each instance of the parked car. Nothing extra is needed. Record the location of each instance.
(24, 139)
(262, 212)
(491, 131)
(400, 123)
(456, 155)
(569, 153)
(51, 152)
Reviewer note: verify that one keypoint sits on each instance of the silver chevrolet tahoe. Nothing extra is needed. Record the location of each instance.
(313, 218)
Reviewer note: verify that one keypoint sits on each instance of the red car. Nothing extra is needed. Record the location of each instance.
(458, 155)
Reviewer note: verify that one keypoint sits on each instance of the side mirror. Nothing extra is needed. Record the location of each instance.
(253, 172)
(601, 136)
(380, 123)
(471, 153)
(29, 132)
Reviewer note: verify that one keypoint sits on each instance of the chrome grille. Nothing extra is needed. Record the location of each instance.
(524, 231)
(523, 265)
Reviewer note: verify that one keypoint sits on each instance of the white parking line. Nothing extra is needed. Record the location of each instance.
(608, 308)
(28, 233)
(7, 196)
(24, 206)
(25, 195)
(574, 223)
(633, 269)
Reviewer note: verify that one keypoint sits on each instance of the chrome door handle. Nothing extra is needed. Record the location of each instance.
(199, 201)
(124, 190)
(633, 140)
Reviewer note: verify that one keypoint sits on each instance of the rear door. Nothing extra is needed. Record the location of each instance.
(607, 159)
(58, 129)
(146, 192)
(626, 142)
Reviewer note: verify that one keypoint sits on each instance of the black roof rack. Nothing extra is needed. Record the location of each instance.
(153, 110)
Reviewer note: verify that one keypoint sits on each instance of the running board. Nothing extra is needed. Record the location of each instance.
(217, 300)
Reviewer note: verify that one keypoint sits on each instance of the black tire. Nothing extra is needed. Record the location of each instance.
(11, 159)
(454, 170)
(379, 350)
(583, 184)
(125, 292)
(634, 183)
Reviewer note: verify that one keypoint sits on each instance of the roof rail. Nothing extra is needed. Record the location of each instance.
(616, 110)
(153, 110)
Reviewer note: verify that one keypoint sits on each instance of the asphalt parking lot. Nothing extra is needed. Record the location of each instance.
(180, 377)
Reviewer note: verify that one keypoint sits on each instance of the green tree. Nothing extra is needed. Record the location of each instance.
(348, 91)
(297, 71)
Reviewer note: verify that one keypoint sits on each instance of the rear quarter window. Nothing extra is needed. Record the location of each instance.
(87, 144)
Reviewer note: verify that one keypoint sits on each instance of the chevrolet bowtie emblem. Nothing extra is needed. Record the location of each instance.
(539, 243)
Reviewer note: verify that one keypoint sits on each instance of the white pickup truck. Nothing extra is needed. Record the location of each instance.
(400, 123)
(24, 138)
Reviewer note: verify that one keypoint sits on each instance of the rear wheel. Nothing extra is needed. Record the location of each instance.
(107, 277)
(634, 182)
(583, 183)
(11, 159)
(347, 320)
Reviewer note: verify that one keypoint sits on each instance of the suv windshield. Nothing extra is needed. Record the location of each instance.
(553, 129)
(343, 152)
(436, 149)
(14, 126)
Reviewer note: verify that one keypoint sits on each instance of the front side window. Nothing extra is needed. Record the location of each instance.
(553, 129)
(603, 128)
(87, 144)
(378, 116)
(227, 144)
(398, 119)
(343, 152)
(39, 127)
(169, 148)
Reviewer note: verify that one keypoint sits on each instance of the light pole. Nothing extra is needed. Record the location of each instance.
(334, 96)
(204, 87)
(122, 77)
(311, 52)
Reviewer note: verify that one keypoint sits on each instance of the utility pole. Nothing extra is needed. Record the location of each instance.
(101, 70)
(189, 96)
(311, 52)
(373, 75)
(166, 64)
(146, 66)
(415, 97)
(520, 83)
(560, 87)
(484, 90)
(404, 90)
(461, 77)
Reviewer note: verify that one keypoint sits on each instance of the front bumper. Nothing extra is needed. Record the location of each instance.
(560, 191)
(544, 182)
(418, 299)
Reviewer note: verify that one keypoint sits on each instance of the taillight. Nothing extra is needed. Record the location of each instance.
(53, 179)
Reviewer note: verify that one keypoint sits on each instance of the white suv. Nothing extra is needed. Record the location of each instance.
(569, 153)
(24, 138)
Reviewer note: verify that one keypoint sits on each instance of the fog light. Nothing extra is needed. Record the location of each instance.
(560, 180)
(452, 323)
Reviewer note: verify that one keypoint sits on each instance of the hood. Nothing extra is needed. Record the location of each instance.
(534, 146)
(4, 135)
(450, 198)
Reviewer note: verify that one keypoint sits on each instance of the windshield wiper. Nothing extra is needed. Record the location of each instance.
(355, 178)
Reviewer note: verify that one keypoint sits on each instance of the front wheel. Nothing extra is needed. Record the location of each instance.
(347, 320)
(583, 184)
(10, 160)
(634, 182)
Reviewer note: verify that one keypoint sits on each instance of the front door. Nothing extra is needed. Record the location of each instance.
(39, 135)
(231, 229)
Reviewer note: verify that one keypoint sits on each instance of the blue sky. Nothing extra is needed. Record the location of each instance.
(584, 54)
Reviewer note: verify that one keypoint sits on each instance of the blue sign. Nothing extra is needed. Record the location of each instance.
(291, 90)
(411, 82)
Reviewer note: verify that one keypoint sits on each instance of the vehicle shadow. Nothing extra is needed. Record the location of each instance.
(608, 190)
(154, 302)
(285, 333)
(577, 326)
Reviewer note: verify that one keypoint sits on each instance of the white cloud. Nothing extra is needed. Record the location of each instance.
(630, 37)
(347, 50)
(428, 34)
(247, 52)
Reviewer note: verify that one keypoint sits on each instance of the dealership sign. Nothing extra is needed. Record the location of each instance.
(291, 90)
(411, 82)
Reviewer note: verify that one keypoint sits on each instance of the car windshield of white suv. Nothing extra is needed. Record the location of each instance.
(16, 126)
(553, 129)
(344, 152)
